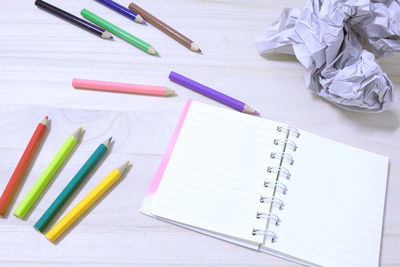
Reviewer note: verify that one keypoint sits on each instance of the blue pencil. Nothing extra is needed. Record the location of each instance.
(123, 10)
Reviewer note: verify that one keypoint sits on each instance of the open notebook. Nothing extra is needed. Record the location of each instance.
(267, 186)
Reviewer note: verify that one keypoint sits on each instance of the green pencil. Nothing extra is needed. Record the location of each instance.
(39, 186)
(119, 32)
(67, 192)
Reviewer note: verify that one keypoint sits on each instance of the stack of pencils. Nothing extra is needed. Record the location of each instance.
(38, 189)
(102, 27)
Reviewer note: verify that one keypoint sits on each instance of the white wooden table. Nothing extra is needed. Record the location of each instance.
(39, 56)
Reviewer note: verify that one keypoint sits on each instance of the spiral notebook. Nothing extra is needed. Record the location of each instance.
(270, 187)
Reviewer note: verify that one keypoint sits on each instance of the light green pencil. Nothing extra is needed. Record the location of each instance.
(37, 189)
(142, 45)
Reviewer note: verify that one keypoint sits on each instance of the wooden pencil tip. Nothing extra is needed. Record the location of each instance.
(45, 121)
(106, 35)
(139, 19)
(152, 51)
(123, 167)
(169, 91)
(78, 133)
(194, 47)
(249, 110)
(108, 142)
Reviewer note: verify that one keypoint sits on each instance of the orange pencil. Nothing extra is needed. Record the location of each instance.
(22, 166)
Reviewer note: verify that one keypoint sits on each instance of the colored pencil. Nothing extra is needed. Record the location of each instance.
(41, 183)
(122, 10)
(211, 93)
(68, 220)
(168, 30)
(22, 166)
(74, 19)
(142, 45)
(122, 87)
(76, 181)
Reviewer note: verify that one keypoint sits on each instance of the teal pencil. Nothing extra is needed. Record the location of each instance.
(67, 192)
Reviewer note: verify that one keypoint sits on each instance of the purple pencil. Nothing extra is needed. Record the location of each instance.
(211, 93)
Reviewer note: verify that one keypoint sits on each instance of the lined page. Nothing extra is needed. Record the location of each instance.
(216, 173)
(334, 206)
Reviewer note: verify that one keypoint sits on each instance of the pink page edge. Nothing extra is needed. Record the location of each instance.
(164, 162)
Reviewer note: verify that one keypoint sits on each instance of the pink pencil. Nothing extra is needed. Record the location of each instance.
(122, 87)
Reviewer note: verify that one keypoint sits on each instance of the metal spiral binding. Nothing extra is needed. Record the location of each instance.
(286, 142)
(266, 199)
(266, 233)
(279, 170)
(276, 184)
(283, 157)
(270, 216)
(291, 130)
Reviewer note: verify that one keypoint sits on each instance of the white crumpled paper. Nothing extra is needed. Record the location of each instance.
(338, 42)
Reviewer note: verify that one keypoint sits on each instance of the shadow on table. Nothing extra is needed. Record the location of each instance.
(387, 120)
(279, 57)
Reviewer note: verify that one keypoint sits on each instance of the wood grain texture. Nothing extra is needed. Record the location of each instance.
(39, 56)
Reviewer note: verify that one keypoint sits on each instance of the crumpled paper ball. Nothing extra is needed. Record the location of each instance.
(338, 41)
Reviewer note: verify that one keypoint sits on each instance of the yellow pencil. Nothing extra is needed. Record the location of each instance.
(68, 220)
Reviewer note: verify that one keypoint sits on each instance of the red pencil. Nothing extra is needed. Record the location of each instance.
(22, 166)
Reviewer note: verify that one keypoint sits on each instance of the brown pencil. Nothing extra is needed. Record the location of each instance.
(177, 36)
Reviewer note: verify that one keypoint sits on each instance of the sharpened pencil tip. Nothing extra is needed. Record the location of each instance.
(108, 142)
(139, 19)
(123, 167)
(78, 133)
(249, 110)
(152, 51)
(106, 35)
(45, 121)
(169, 91)
(195, 47)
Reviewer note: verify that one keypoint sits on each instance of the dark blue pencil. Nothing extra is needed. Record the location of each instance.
(123, 10)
